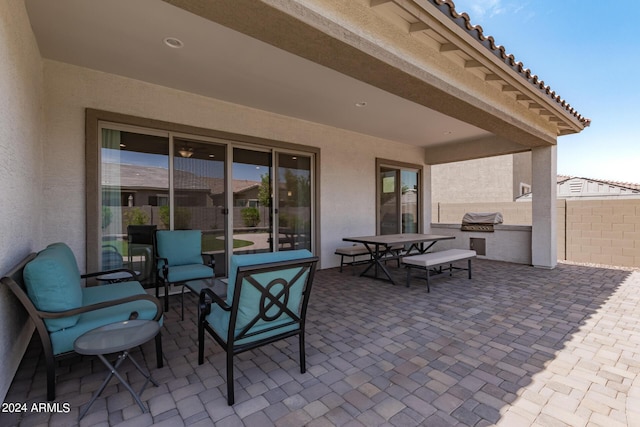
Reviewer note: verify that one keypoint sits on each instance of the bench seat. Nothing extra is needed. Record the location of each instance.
(431, 260)
(352, 251)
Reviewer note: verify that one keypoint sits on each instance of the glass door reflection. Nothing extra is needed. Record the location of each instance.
(294, 201)
(252, 195)
(199, 196)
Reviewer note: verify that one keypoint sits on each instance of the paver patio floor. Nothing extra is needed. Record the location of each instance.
(513, 346)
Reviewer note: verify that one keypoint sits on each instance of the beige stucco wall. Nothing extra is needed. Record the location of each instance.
(21, 159)
(471, 181)
(347, 158)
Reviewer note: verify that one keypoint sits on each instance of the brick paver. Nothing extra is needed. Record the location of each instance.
(515, 346)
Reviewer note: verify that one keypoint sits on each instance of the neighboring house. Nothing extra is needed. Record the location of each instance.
(574, 188)
(333, 93)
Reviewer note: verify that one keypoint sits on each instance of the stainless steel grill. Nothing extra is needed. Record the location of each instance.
(480, 221)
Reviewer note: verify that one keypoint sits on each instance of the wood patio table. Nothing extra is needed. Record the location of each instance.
(380, 248)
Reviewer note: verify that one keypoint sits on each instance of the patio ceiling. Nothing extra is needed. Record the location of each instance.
(259, 55)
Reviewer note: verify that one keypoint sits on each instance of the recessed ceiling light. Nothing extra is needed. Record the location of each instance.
(173, 42)
(361, 104)
(212, 155)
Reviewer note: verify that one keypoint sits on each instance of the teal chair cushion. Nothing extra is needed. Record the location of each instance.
(250, 299)
(62, 340)
(179, 247)
(53, 283)
(182, 273)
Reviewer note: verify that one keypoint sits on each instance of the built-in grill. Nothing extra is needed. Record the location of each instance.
(480, 221)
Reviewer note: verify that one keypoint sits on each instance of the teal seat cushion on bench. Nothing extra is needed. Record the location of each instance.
(250, 297)
(62, 340)
(53, 284)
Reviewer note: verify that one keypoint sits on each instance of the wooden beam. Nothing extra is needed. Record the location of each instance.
(521, 97)
(492, 77)
(418, 26)
(472, 64)
(509, 88)
(374, 3)
(448, 47)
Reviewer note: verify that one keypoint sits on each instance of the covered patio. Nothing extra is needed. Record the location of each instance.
(513, 346)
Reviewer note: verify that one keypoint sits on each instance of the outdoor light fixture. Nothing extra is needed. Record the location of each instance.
(184, 152)
(173, 42)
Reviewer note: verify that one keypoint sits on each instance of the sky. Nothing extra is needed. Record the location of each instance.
(588, 52)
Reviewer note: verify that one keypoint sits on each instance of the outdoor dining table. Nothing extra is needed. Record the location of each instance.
(380, 248)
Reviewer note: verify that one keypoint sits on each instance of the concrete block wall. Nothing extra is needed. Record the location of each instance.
(605, 231)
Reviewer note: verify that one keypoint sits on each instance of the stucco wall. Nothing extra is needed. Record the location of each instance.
(470, 181)
(347, 167)
(21, 132)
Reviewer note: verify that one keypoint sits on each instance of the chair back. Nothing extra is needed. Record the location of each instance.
(178, 247)
(141, 234)
(269, 298)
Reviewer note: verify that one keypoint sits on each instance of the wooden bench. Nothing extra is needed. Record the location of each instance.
(432, 260)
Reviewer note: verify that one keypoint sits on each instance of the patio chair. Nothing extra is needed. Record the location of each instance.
(48, 284)
(266, 301)
(180, 259)
(140, 250)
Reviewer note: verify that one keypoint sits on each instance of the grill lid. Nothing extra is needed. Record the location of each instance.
(482, 218)
(480, 221)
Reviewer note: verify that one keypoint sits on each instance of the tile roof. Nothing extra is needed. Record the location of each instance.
(463, 21)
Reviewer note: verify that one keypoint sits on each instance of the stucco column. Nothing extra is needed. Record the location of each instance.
(544, 245)
(426, 196)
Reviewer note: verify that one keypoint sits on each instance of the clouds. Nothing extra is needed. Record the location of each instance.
(480, 9)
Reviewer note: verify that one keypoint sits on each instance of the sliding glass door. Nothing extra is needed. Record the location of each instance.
(244, 199)
(134, 176)
(398, 198)
(294, 196)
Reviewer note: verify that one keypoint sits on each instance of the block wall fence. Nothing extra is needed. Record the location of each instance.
(605, 231)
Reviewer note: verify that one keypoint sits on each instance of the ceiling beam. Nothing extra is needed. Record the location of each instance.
(473, 63)
(448, 47)
(474, 149)
(374, 3)
(418, 26)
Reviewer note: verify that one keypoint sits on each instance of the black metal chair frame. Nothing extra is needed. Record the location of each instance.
(14, 280)
(245, 275)
(164, 278)
(145, 235)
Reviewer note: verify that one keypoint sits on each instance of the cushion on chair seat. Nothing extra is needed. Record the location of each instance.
(180, 247)
(62, 340)
(353, 250)
(250, 298)
(53, 284)
(182, 273)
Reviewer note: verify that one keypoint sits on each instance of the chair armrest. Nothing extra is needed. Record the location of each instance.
(165, 266)
(212, 261)
(105, 304)
(207, 296)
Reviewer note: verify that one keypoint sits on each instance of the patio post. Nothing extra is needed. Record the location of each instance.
(544, 245)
